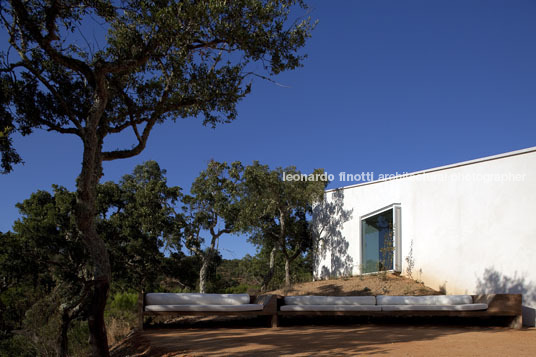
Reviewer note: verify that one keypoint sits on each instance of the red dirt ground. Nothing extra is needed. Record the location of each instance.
(368, 339)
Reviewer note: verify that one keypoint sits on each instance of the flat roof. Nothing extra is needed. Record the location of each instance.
(445, 167)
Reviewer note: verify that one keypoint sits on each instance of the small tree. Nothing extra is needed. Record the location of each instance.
(278, 211)
(137, 217)
(160, 60)
(212, 209)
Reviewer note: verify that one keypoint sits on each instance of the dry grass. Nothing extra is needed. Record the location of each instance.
(377, 284)
(117, 329)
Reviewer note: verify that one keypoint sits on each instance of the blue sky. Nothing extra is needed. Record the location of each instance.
(389, 86)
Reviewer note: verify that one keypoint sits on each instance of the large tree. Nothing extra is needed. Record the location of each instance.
(278, 204)
(159, 61)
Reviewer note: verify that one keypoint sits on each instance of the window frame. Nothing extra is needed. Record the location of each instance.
(397, 237)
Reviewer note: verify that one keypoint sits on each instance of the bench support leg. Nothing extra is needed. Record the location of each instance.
(275, 321)
(517, 322)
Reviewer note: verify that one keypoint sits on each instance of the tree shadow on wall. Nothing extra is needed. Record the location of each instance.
(493, 281)
(328, 219)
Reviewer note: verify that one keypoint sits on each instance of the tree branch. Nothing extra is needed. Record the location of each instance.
(161, 109)
(60, 99)
(204, 44)
(59, 129)
(216, 235)
(45, 41)
(124, 154)
(124, 66)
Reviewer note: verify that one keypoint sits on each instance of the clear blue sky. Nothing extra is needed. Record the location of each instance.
(388, 86)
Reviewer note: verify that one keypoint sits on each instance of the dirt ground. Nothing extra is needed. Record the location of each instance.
(382, 284)
(333, 340)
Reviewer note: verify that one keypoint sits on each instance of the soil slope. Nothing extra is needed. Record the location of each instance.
(382, 284)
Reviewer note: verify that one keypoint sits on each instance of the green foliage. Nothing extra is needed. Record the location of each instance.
(16, 345)
(277, 210)
(121, 302)
(78, 336)
(301, 271)
(213, 209)
(214, 200)
(181, 273)
(240, 289)
(121, 314)
(43, 262)
(246, 275)
(159, 61)
(137, 219)
(42, 270)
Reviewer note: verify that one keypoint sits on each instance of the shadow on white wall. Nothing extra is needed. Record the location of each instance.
(329, 218)
(493, 281)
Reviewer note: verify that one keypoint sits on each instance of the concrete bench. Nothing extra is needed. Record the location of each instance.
(177, 304)
(504, 306)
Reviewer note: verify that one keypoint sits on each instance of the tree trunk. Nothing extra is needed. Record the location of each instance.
(141, 303)
(203, 273)
(287, 272)
(63, 340)
(98, 255)
(268, 277)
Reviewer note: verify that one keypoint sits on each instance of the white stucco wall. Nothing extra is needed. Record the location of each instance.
(471, 233)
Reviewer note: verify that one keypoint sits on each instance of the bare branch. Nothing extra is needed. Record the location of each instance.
(123, 126)
(59, 129)
(204, 44)
(11, 67)
(216, 235)
(266, 78)
(135, 128)
(161, 108)
(124, 154)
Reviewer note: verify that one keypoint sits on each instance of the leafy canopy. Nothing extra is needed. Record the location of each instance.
(159, 60)
(137, 217)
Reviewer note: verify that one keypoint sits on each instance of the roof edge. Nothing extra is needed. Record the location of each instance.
(445, 167)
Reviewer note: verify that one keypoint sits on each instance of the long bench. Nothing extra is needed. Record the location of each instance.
(503, 306)
(179, 304)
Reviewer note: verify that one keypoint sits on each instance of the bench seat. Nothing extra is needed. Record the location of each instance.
(182, 304)
(424, 300)
(502, 308)
(206, 308)
(462, 307)
(195, 299)
(330, 308)
(329, 300)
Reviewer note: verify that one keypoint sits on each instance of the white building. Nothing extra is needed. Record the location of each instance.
(463, 228)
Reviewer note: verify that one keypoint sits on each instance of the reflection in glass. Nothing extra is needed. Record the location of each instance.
(378, 242)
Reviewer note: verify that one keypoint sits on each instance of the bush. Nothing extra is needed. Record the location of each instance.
(241, 289)
(16, 345)
(121, 315)
(122, 303)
